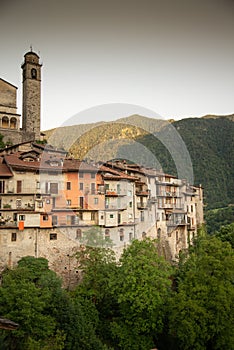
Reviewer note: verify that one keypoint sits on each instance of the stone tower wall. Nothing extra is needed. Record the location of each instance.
(31, 94)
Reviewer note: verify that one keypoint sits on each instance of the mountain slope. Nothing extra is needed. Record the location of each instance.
(209, 141)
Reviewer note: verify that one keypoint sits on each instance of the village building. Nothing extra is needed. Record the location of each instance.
(49, 201)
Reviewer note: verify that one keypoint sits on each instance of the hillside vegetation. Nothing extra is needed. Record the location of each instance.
(209, 141)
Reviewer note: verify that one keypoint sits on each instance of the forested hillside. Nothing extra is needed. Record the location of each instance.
(209, 141)
(141, 303)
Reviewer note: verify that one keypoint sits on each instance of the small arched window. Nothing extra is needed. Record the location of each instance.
(13, 123)
(5, 122)
(34, 73)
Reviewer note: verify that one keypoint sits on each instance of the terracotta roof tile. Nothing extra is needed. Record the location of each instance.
(5, 171)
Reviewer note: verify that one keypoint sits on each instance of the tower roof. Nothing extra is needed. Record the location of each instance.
(31, 53)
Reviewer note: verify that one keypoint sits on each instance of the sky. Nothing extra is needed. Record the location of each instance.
(173, 58)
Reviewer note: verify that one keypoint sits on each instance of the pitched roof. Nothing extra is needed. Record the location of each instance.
(5, 171)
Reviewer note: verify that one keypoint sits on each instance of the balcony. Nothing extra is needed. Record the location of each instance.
(176, 223)
(141, 205)
(167, 205)
(114, 207)
(7, 222)
(143, 193)
(115, 193)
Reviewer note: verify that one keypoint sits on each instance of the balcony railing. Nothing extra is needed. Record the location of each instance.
(6, 223)
(142, 193)
(176, 223)
(142, 205)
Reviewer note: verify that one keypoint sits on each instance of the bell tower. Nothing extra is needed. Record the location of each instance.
(31, 94)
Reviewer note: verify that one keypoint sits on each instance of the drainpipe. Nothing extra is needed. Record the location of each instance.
(36, 244)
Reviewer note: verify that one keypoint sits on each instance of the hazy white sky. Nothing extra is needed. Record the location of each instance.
(175, 57)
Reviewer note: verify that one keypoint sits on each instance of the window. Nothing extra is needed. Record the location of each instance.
(159, 233)
(2, 186)
(40, 204)
(107, 234)
(121, 234)
(107, 202)
(191, 208)
(13, 236)
(33, 73)
(68, 202)
(48, 201)
(81, 175)
(19, 186)
(54, 220)
(142, 216)
(53, 236)
(21, 217)
(81, 186)
(68, 185)
(53, 188)
(130, 236)
(78, 233)
(73, 219)
(38, 185)
(93, 175)
(5, 122)
(81, 202)
(130, 204)
(111, 216)
(18, 203)
(95, 200)
(92, 216)
(93, 187)
(45, 217)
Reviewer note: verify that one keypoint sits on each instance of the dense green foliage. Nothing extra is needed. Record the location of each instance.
(226, 234)
(201, 310)
(138, 303)
(2, 144)
(216, 218)
(48, 316)
(210, 144)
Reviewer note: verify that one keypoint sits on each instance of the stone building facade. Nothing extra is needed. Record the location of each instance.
(48, 202)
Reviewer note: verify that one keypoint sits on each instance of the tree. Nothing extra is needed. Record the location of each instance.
(201, 309)
(142, 288)
(24, 301)
(226, 234)
(99, 267)
(2, 144)
(49, 317)
(95, 238)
